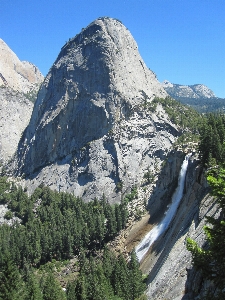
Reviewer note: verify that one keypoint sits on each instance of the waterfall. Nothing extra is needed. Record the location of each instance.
(152, 235)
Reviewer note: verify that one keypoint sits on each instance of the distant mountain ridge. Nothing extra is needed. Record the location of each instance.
(19, 83)
(189, 91)
(199, 96)
(21, 76)
(15, 112)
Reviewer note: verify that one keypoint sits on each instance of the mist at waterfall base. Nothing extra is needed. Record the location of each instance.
(152, 236)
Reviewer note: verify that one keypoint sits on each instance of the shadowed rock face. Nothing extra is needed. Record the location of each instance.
(169, 263)
(89, 121)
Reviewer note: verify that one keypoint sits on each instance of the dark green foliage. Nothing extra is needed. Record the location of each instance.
(33, 289)
(119, 186)
(4, 186)
(185, 139)
(109, 278)
(216, 179)
(211, 259)
(133, 194)
(203, 105)
(212, 138)
(16, 198)
(31, 95)
(11, 284)
(120, 279)
(59, 226)
(137, 286)
(180, 114)
(52, 289)
(8, 215)
(71, 290)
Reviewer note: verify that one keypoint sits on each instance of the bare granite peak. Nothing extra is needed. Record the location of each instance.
(90, 132)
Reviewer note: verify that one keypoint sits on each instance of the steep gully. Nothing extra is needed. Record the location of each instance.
(153, 235)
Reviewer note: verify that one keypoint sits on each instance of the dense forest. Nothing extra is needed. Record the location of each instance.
(56, 227)
(204, 105)
(212, 139)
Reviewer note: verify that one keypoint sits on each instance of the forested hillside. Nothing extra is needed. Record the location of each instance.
(56, 227)
(212, 139)
(204, 105)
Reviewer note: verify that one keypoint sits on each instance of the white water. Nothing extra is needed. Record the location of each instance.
(152, 236)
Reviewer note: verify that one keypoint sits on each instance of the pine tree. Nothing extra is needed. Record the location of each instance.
(111, 221)
(81, 287)
(137, 285)
(52, 289)
(118, 217)
(71, 290)
(100, 227)
(120, 279)
(216, 147)
(11, 283)
(33, 290)
(109, 260)
(205, 143)
(124, 214)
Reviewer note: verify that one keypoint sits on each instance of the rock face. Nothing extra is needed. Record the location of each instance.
(15, 112)
(169, 263)
(90, 132)
(21, 76)
(195, 91)
(17, 78)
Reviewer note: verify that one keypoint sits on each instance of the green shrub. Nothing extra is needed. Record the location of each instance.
(132, 195)
(119, 186)
(8, 215)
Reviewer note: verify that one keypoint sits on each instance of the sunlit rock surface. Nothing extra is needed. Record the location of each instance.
(90, 132)
(21, 76)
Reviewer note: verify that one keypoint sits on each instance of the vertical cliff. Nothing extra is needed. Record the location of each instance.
(168, 262)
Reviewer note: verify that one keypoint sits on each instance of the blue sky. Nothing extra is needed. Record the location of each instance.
(181, 41)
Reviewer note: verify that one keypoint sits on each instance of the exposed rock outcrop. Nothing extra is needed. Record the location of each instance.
(168, 261)
(15, 112)
(196, 91)
(90, 132)
(21, 76)
(198, 96)
(17, 80)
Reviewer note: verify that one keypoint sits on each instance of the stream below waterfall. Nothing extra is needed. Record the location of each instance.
(153, 235)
